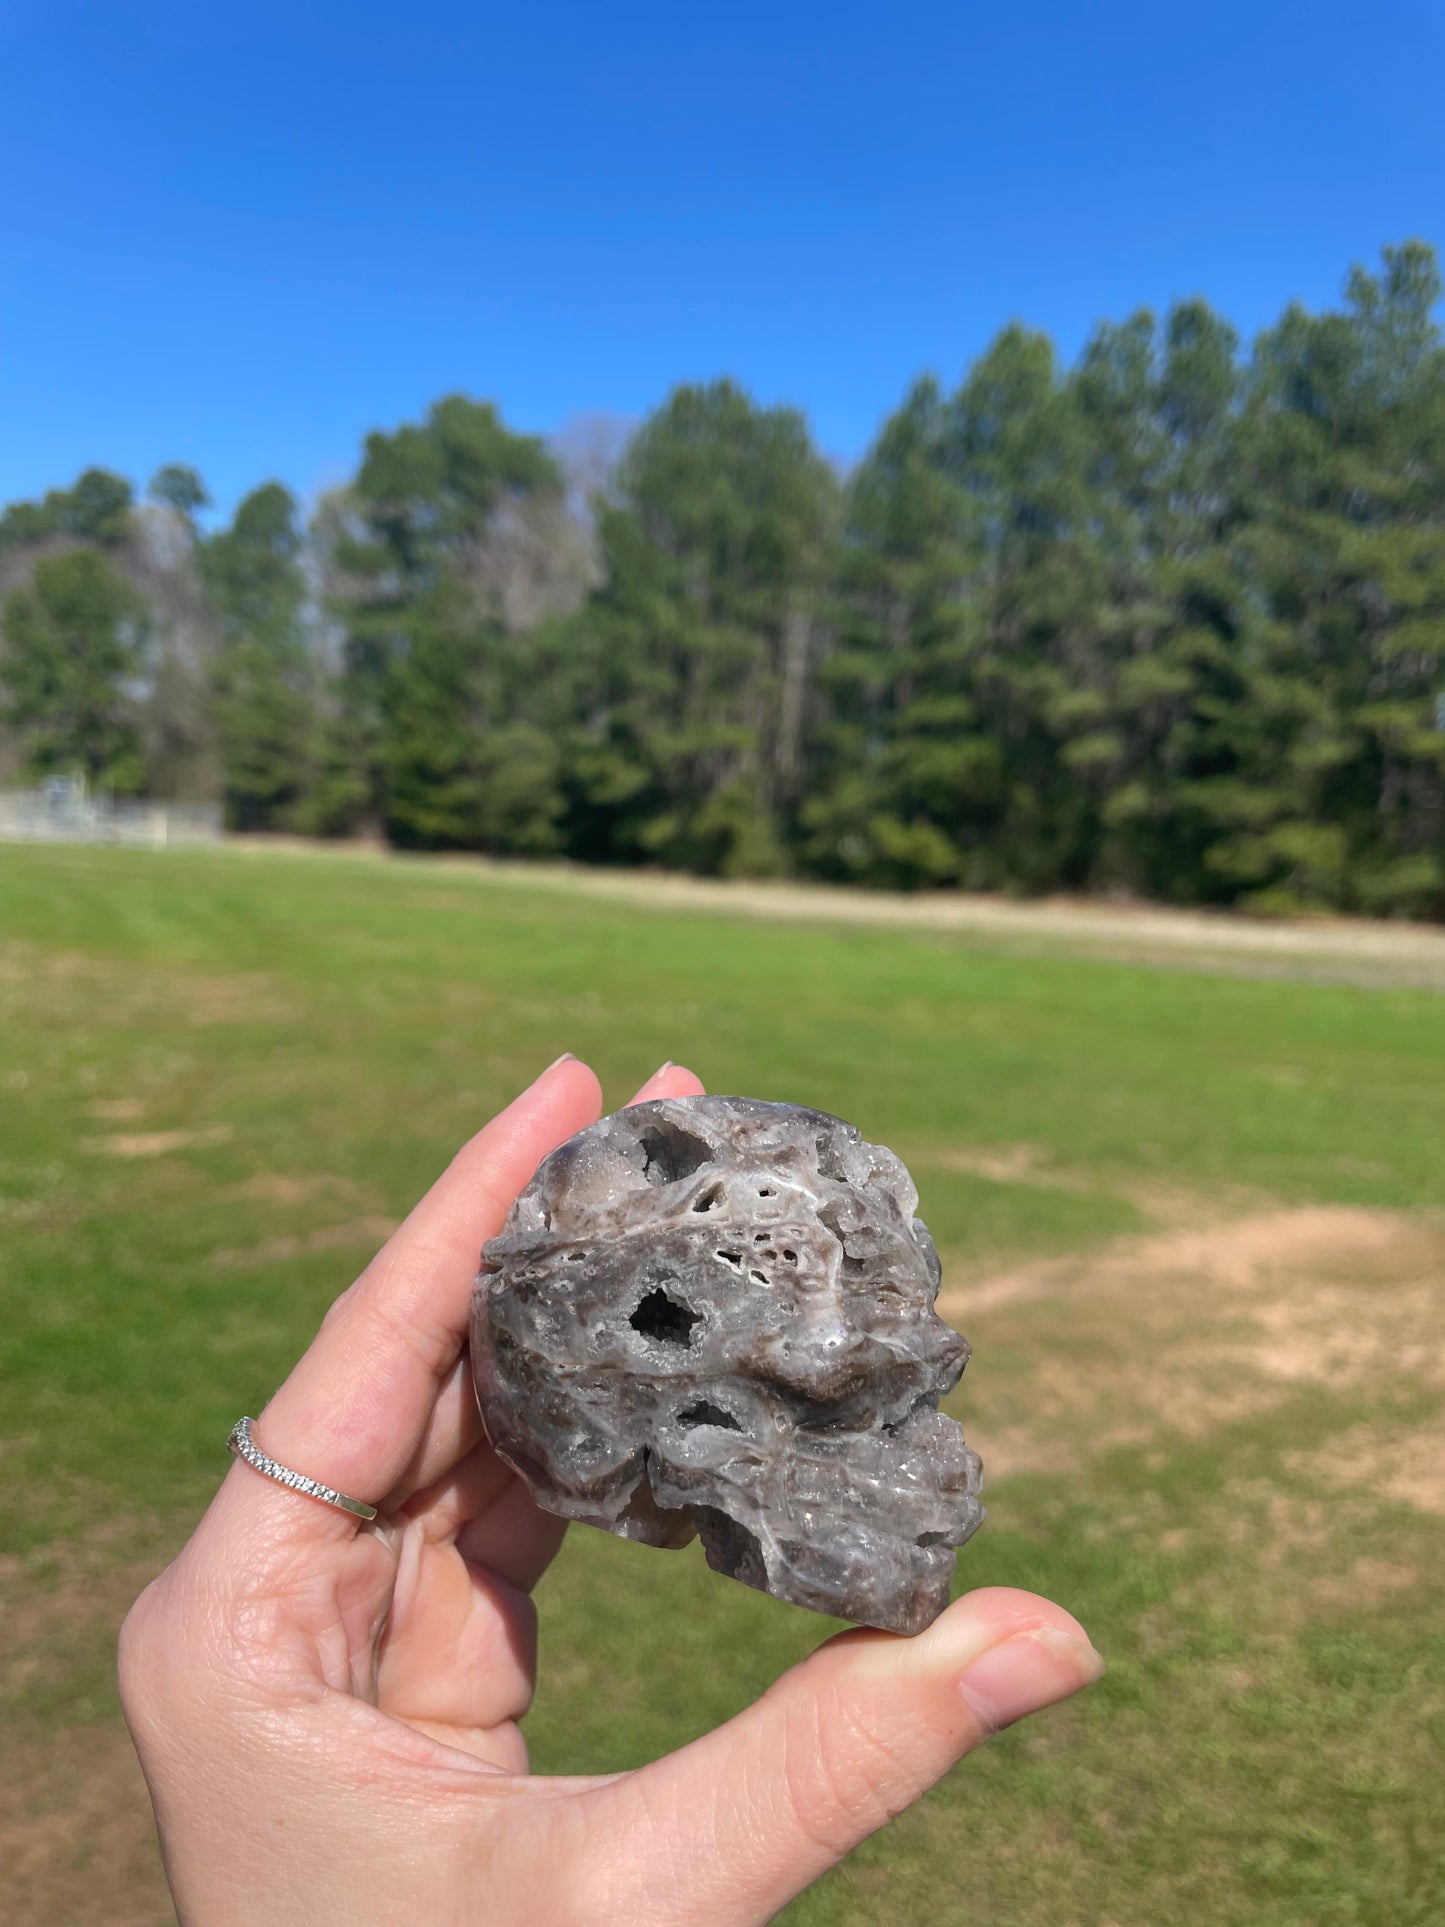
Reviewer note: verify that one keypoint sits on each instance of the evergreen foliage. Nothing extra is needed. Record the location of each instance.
(694, 657)
(431, 738)
(264, 674)
(72, 646)
(96, 509)
(1168, 622)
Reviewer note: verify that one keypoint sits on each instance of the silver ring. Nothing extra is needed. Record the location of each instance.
(245, 1447)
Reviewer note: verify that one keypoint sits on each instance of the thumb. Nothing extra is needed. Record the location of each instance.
(724, 1832)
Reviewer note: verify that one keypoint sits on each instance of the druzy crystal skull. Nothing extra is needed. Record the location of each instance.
(713, 1315)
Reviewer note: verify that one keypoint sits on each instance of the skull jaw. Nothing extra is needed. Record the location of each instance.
(876, 1568)
(866, 1571)
(882, 1572)
(871, 1578)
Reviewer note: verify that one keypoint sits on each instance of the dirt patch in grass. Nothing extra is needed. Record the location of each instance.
(1005, 1164)
(1269, 1560)
(281, 1187)
(77, 1840)
(1407, 1464)
(116, 1110)
(1318, 1240)
(52, 1214)
(1185, 1331)
(82, 988)
(155, 1144)
(75, 1588)
(1239, 1255)
(1166, 1204)
(368, 1232)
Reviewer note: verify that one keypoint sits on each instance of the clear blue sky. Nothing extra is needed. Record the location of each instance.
(242, 235)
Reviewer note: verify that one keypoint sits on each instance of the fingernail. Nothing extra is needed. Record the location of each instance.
(1029, 1671)
(660, 1069)
(567, 1057)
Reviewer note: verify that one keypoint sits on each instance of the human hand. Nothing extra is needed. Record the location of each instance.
(327, 1714)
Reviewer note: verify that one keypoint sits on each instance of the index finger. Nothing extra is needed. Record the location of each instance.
(355, 1407)
(455, 1431)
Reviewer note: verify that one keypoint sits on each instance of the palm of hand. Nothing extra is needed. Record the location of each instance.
(406, 1621)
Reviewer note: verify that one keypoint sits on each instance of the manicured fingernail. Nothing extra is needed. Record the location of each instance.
(1029, 1671)
(660, 1069)
(567, 1057)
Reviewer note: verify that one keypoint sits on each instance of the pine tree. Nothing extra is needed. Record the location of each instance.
(1338, 799)
(265, 682)
(443, 751)
(700, 647)
(72, 648)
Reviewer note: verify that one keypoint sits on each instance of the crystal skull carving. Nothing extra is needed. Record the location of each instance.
(714, 1316)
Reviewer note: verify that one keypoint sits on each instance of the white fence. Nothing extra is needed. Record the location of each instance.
(58, 814)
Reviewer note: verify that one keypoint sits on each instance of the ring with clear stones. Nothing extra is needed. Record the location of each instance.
(245, 1447)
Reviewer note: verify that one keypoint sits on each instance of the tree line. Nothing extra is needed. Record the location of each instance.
(1169, 621)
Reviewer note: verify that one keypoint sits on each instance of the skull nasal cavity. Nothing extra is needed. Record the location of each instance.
(670, 1153)
(662, 1318)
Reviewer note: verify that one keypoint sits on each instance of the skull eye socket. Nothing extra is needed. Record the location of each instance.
(670, 1154)
(664, 1320)
(706, 1413)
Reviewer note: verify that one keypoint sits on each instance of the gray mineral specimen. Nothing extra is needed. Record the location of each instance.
(712, 1315)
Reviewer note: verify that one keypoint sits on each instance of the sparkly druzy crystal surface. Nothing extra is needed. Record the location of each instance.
(714, 1316)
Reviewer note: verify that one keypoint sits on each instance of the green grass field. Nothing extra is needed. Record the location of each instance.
(1193, 1223)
